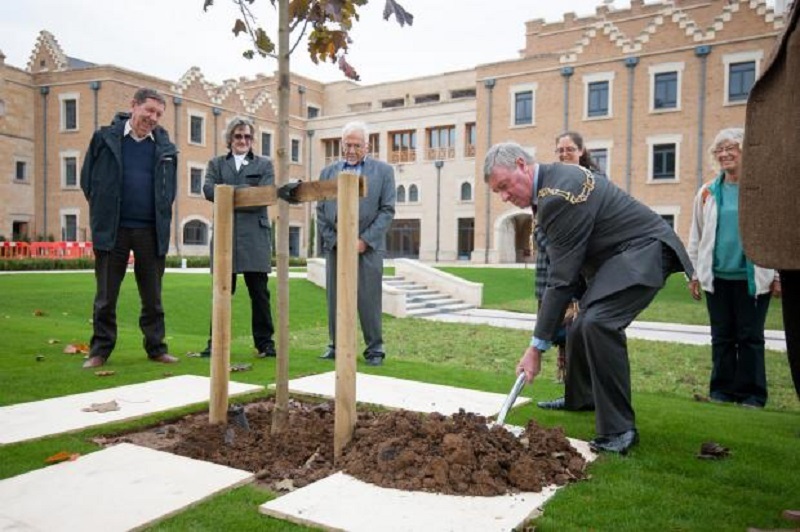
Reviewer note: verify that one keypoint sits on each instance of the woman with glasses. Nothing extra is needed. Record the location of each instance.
(737, 291)
(252, 231)
(575, 374)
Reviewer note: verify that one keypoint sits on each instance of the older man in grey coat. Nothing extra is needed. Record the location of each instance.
(623, 250)
(375, 214)
(252, 232)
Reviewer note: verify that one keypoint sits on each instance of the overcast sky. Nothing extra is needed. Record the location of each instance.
(165, 38)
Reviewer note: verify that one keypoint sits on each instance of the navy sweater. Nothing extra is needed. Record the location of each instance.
(138, 183)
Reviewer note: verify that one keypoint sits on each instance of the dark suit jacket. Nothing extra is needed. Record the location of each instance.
(252, 231)
(611, 239)
(768, 186)
(375, 211)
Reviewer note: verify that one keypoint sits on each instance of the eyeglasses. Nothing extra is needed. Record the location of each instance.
(240, 136)
(568, 149)
(733, 148)
(352, 146)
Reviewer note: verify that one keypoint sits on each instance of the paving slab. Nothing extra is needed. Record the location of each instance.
(27, 421)
(341, 502)
(407, 395)
(641, 330)
(119, 488)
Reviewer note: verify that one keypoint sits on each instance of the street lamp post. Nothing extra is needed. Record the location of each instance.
(438, 164)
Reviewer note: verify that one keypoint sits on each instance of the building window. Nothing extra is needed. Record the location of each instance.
(598, 90)
(598, 99)
(600, 157)
(21, 171)
(394, 102)
(669, 213)
(295, 150)
(427, 98)
(413, 194)
(462, 93)
(294, 241)
(69, 112)
(466, 192)
(741, 79)
(266, 144)
(69, 169)
(741, 71)
(195, 233)
(663, 161)
(666, 90)
(374, 145)
(523, 108)
(333, 150)
(470, 139)
(404, 146)
(311, 112)
(401, 194)
(19, 230)
(195, 181)
(69, 227)
(441, 143)
(196, 129)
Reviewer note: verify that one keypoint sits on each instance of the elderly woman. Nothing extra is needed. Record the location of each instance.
(737, 291)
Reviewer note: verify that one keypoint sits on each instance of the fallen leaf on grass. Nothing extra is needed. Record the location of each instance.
(52, 341)
(102, 408)
(701, 398)
(74, 349)
(39, 358)
(105, 373)
(38, 313)
(713, 451)
(241, 367)
(61, 456)
(167, 374)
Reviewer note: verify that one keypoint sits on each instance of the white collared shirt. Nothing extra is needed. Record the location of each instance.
(239, 160)
(129, 131)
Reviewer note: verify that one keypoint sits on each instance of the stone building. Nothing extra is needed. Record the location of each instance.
(648, 87)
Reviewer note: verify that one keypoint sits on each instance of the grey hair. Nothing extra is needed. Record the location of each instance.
(238, 121)
(505, 155)
(144, 94)
(733, 135)
(350, 127)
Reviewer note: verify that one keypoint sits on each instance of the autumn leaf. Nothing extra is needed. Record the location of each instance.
(105, 373)
(263, 43)
(393, 8)
(238, 27)
(38, 313)
(207, 4)
(102, 408)
(61, 456)
(74, 349)
(348, 70)
(52, 341)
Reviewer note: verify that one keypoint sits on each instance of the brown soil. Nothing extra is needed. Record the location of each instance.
(457, 454)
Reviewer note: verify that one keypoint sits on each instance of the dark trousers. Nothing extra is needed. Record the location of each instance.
(370, 299)
(737, 343)
(109, 271)
(260, 312)
(790, 286)
(597, 359)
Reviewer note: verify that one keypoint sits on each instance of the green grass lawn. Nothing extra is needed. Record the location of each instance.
(660, 486)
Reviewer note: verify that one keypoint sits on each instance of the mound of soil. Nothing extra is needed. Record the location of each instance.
(457, 454)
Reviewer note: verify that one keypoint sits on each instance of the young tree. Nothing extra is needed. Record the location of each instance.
(327, 24)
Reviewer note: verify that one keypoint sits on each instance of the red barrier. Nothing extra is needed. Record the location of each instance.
(45, 250)
(15, 250)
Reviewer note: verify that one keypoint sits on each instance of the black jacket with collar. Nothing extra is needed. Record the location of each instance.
(101, 181)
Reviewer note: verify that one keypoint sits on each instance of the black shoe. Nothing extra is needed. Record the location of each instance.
(267, 352)
(374, 358)
(329, 354)
(555, 404)
(615, 443)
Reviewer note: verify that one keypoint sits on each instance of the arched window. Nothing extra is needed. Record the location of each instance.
(413, 193)
(466, 192)
(401, 194)
(195, 233)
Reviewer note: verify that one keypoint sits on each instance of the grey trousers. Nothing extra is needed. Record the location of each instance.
(370, 299)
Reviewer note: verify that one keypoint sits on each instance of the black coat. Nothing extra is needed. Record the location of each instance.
(101, 181)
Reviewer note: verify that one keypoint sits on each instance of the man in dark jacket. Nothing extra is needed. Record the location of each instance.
(252, 233)
(129, 179)
(623, 250)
